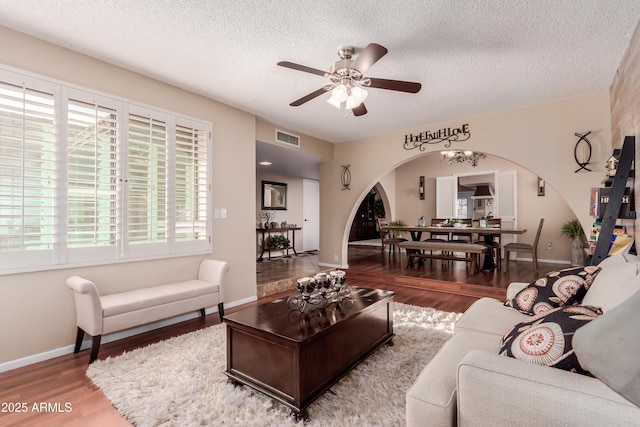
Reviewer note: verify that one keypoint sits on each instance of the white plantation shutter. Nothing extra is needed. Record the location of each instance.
(27, 173)
(92, 175)
(191, 188)
(90, 179)
(147, 180)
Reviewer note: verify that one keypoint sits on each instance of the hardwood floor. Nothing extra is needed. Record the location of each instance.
(69, 398)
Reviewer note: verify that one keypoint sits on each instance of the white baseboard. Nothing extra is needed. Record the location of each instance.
(550, 261)
(40, 357)
(324, 264)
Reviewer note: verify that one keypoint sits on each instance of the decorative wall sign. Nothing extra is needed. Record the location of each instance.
(446, 135)
(345, 177)
(585, 145)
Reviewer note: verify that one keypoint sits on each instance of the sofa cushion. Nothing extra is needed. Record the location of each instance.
(546, 339)
(488, 316)
(432, 398)
(609, 347)
(553, 290)
(617, 281)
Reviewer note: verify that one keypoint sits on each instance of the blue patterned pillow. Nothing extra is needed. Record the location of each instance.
(547, 339)
(553, 290)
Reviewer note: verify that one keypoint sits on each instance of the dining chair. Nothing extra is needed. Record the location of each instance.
(525, 247)
(444, 235)
(387, 238)
(465, 237)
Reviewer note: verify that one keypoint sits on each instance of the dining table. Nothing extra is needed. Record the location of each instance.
(486, 233)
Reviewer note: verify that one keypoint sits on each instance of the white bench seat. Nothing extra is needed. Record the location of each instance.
(98, 315)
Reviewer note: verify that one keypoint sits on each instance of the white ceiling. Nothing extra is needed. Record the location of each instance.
(471, 56)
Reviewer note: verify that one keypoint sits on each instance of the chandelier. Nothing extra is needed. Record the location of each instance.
(458, 156)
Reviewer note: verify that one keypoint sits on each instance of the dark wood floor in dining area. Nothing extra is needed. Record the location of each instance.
(446, 286)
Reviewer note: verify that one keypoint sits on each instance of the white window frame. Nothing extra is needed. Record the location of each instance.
(62, 256)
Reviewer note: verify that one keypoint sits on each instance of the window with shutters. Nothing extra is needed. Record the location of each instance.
(86, 178)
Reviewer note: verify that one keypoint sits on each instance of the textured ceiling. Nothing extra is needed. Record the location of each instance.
(472, 57)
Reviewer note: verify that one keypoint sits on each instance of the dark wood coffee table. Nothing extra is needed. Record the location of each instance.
(294, 357)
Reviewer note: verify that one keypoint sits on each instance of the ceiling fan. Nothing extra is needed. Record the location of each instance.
(348, 80)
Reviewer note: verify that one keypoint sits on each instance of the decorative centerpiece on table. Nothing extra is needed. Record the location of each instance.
(398, 223)
(267, 217)
(320, 290)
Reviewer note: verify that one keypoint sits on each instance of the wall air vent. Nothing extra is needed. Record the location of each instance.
(287, 138)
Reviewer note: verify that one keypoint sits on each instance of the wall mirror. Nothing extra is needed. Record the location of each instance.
(274, 195)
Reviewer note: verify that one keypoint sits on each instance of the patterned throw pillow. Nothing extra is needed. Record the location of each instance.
(546, 339)
(555, 289)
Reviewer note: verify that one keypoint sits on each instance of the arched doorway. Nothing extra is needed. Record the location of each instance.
(364, 225)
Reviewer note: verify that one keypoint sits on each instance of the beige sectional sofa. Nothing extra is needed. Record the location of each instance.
(468, 383)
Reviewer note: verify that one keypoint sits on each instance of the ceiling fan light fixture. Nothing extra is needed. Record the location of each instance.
(339, 94)
(333, 101)
(347, 79)
(358, 94)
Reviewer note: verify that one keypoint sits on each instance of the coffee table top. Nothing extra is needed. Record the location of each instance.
(276, 318)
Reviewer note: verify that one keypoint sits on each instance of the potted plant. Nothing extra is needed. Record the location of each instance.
(279, 242)
(573, 230)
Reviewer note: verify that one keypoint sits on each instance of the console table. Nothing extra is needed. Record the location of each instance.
(267, 232)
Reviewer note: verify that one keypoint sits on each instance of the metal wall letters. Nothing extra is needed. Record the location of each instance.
(446, 135)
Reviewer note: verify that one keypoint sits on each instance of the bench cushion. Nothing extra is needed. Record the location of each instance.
(444, 246)
(138, 299)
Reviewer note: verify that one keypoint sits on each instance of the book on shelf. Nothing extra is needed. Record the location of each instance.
(603, 201)
(597, 226)
(620, 244)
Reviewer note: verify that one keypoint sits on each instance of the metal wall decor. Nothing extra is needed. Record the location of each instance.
(585, 151)
(446, 135)
(345, 177)
(541, 186)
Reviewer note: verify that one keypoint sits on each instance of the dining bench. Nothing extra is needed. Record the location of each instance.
(445, 250)
(99, 315)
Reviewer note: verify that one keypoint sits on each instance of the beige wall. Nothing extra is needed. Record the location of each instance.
(539, 138)
(530, 206)
(37, 313)
(266, 132)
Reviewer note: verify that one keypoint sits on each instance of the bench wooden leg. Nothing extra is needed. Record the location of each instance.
(203, 312)
(79, 337)
(221, 311)
(95, 347)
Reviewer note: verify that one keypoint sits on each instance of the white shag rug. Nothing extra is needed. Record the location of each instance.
(180, 381)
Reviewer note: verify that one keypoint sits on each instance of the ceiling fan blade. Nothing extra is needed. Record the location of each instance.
(304, 68)
(399, 85)
(369, 56)
(310, 96)
(360, 110)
